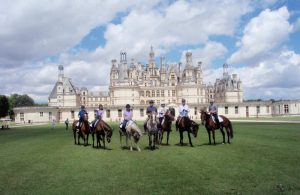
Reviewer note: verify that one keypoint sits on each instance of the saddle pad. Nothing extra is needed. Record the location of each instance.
(220, 119)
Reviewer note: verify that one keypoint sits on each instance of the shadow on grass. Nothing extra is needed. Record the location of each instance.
(150, 149)
(101, 148)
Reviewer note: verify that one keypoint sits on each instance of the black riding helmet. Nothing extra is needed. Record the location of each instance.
(127, 106)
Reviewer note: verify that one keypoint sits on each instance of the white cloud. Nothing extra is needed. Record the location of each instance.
(276, 77)
(262, 35)
(211, 51)
(33, 30)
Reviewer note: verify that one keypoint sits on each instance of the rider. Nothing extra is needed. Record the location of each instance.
(98, 116)
(151, 108)
(81, 116)
(161, 112)
(127, 116)
(183, 110)
(213, 110)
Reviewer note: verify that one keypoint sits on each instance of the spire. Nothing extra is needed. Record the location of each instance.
(189, 60)
(123, 58)
(60, 72)
(151, 56)
(225, 70)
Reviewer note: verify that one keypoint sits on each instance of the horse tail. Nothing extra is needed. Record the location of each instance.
(230, 128)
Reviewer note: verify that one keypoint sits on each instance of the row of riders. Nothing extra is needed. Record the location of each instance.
(153, 126)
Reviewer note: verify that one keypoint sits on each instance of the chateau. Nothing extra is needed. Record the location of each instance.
(135, 84)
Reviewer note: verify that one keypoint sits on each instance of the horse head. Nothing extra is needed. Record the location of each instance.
(194, 128)
(204, 117)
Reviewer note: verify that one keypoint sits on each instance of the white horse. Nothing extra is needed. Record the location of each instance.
(152, 130)
(132, 130)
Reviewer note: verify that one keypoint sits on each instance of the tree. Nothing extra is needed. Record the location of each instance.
(16, 100)
(4, 106)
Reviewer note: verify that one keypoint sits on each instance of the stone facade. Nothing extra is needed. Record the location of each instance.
(136, 84)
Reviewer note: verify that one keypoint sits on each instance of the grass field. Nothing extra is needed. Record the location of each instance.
(262, 159)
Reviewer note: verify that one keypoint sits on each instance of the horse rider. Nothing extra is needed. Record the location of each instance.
(183, 110)
(213, 110)
(161, 113)
(151, 108)
(127, 116)
(98, 116)
(81, 116)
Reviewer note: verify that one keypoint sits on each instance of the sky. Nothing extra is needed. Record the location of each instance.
(259, 39)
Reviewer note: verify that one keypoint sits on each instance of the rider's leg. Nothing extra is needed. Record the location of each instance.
(217, 120)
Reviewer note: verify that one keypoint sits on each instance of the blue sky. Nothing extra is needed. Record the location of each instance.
(260, 41)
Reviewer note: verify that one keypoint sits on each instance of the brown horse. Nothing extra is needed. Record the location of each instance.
(102, 130)
(166, 125)
(186, 124)
(210, 126)
(84, 131)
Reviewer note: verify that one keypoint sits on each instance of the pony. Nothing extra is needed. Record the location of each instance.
(132, 130)
(210, 126)
(166, 125)
(84, 131)
(186, 124)
(152, 124)
(102, 130)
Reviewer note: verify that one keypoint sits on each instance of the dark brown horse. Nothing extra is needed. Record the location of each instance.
(211, 126)
(102, 130)
(167, 124)
(84, 131)
(186, 124)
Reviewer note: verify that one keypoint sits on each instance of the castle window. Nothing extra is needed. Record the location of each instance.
(72, 114)
(21, 116)
(286, 109)
(158, 93)
(41, 114)
(141, 112)
(119, 113)
(195, 112)
(153, 93)
(257, 109)
(107, 113)
(226, 109)
(236, 108)
(173, 93)
(147, 93)
(162, 93)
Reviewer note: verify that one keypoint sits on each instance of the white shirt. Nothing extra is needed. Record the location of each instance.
(183, 110)
(162, 111)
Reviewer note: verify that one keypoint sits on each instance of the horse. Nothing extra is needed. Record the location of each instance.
(166, 125)
(210, 126)
(102, 130)
(152, 124)
(84, 131)
(132, 130)
(186, 124)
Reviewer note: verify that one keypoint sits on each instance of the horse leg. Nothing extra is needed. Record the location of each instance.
(213, 132)
(130, 142)
(223, 134)
(103, 141)
(209, 138)
(168, 133)
(190, 139)
(93, 136)
(74, 134)
(227, 132)
(78, 139)
(120, 139)
(181, 136)
(149, 136)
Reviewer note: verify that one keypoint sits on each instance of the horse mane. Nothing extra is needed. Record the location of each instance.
(134, 126)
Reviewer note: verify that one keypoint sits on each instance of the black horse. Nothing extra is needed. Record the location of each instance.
(186, 124)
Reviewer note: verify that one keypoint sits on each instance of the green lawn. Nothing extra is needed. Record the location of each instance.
(262, 159)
